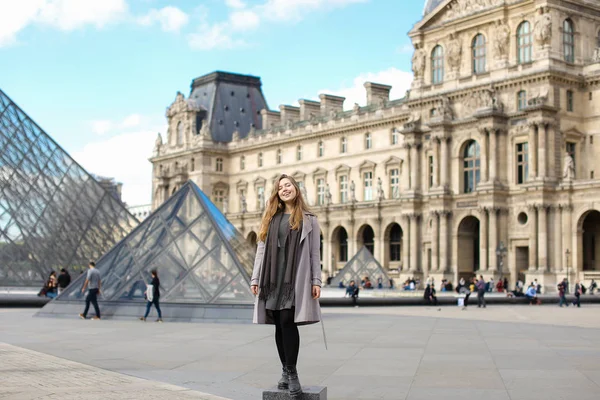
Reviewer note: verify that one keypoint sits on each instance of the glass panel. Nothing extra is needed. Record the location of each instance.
(362, 265)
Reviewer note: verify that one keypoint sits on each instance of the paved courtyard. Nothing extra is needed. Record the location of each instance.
(502, 352)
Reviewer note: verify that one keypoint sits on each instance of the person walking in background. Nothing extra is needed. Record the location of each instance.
(152, 296)
(505, 284)
(593, 286)
(64, 280)
(94, 284)
(480, 292)
(578, 293)
(466, 290)
(429, 295)
(561, 293)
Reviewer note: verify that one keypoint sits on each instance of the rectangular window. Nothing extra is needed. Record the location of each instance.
(218, 197)
(299, 153)
(395, 183)
(395, 136)
(570, 148)
(431, 171)
(320, 191)
(522, 163)
(343, 189)
(344, 145)
(368, 141)
(321, 149)
(570, 105)
(368, 186)
(260, 196)
(521, 100)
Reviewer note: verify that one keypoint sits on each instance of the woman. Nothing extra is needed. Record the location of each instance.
(153, 297)
(287, 274)
(52, 286)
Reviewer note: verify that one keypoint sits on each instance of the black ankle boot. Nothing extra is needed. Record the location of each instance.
(294, 382)
(283, 383)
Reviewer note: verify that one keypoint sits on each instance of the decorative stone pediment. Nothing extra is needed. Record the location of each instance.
(366, 165)
(260, 181)
(574, 134)
(299, 176)
(319, 173)
(393, 161)
(453, 9)
(182, 105)
(342, 169)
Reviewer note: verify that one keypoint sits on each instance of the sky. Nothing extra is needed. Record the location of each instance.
(98, 75)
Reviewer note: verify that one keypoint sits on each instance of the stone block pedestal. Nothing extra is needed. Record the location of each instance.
(309, 393)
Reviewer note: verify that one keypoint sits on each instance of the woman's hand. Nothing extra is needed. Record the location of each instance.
(316, 292)
(254, 289)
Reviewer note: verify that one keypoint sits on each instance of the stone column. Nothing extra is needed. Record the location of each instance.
(405, 243)
(567, 237)
(493, 155)
(483, 239)
(533, 239)
(542, 146)
(493, 212)
(415, 176)
(445, 166)
(557, 264)
(484, 154)
(543, 238)
(533, 170)
(406, 169)
(436, 162)
(414, 242)
(435, 242)
(444, 242)
(551, 137)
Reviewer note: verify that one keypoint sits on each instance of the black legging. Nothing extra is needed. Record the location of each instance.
(287, 337)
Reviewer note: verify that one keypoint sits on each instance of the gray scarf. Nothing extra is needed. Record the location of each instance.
(268, 276)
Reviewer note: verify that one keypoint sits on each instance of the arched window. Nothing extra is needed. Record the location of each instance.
(180, 133)
(471, 166)
(437, 65)
(479, 54)
(243, 163)
(343, 243)
(278, 156)
(368, 239)
(321, 149)
(521, 100)
(260, 159)
(396, 243)
(524, 43)
(343, 145)
(569, 41)
(368, 141)
(299, 153)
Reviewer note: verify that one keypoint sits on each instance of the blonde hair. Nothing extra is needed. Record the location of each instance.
(275, 204)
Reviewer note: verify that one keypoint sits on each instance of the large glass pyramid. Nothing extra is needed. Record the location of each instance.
(53, 214)
(199, 255)
(361, 265)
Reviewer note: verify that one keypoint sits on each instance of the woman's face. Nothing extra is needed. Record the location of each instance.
(286, 191)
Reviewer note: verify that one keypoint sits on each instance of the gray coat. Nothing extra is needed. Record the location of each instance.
(308, 273)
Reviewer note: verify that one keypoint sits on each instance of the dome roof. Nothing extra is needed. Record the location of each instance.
(430, 5)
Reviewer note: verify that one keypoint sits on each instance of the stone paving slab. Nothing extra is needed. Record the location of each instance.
(26, 374)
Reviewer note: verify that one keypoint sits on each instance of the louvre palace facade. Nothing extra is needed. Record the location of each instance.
(487, 165)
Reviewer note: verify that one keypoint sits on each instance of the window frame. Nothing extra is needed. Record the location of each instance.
(568, 41)
(395, 137)
(320, 149)
(521, 105)
(437, 65)
(368, 194)
(320, 191)
(522, 165)
(242, 163)
(524, 43)
(395, 183)
(279, 156)
(368, 141)
(344, 145)
(219, 164)
(343, 188)
(260, 160)
(299, 152)
(395, 246)
(179, 137)
(479, 54)
(471, 172)
(570, 99)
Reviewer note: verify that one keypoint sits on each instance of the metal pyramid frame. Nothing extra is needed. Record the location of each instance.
(361, 265)
(200, 257)
(53, 214)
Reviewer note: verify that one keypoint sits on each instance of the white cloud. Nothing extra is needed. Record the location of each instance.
(72, 14)
(131, 121)
(128, 152)
(104, 126)
(356, 93)
(100, 127)
(294, 10)
(171, 19)
(62, 14)
(235, 4)
(406, 48)
(210, 37)
(244, 20)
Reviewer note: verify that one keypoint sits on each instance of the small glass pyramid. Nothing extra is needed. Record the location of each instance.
(199, 255)
(363, 264)
(53, 214)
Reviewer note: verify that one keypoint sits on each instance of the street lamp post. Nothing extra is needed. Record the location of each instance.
(567, 253)
(501, 253)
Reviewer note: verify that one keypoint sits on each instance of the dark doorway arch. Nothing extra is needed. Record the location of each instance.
(590, 225)
(468, 247)
(339, 245)
(393, 242)
(366, 237)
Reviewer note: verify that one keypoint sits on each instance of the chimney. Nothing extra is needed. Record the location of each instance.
(270, 118)
(377, 94)
(331, 103)
(289, 114)
(308, 108)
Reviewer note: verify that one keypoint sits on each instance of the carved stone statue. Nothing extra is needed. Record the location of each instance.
(380, 194)
(327, 195)
(226, 205)
(569, 168)
(596, 56)
(454, 52)
(356, 109)
(352, 191)
(540, 98)
(205, 130)
(501, 39)
(414, 120)
(158, 144)
(542, 28)
(243, 204)
(444, 109)
(418, 61)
